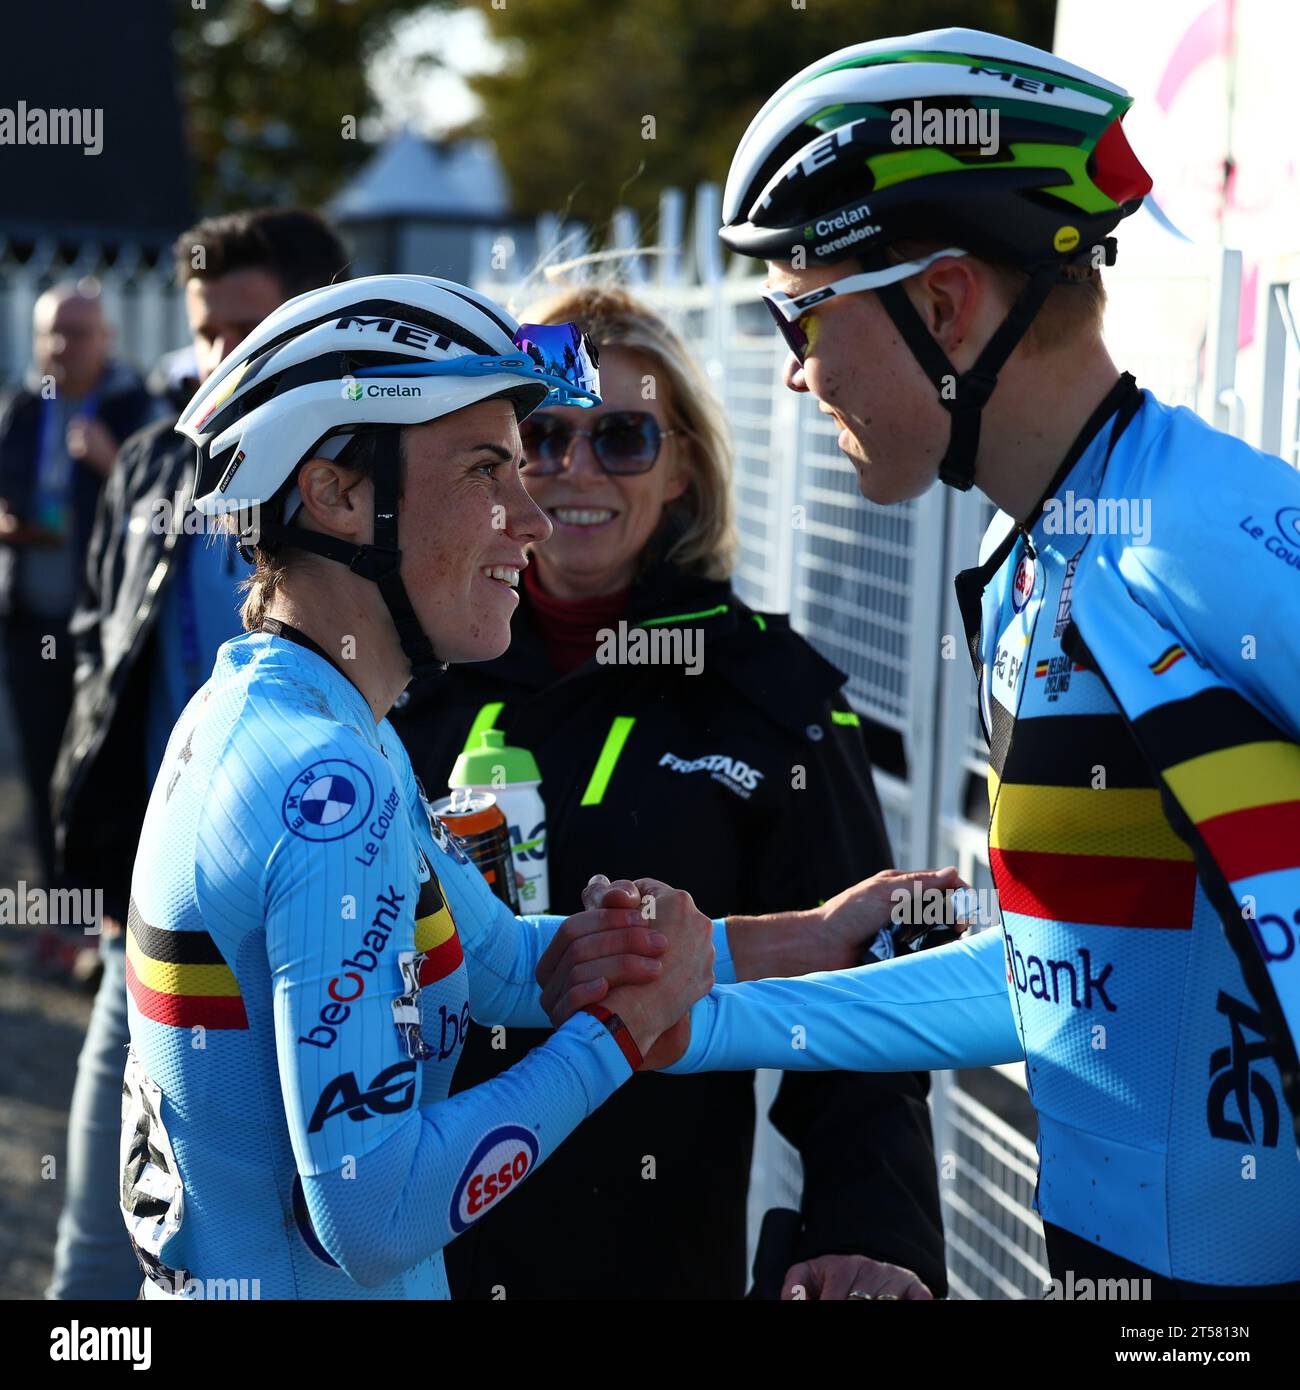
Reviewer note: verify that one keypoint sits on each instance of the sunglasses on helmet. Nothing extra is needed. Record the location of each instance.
(558, 354)
(623, 442)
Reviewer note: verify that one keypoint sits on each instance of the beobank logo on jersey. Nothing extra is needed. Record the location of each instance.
(502, 1159)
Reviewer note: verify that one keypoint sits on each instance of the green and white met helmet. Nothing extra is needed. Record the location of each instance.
(822, 165)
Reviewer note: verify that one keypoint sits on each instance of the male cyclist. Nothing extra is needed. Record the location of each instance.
(1139, 682)
(305, 947)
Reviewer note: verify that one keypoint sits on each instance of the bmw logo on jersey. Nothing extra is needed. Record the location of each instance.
(328, 800)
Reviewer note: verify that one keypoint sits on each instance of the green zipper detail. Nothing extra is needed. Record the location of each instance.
(683, 617)
(845, 716)
(608, 760)
(761, 621)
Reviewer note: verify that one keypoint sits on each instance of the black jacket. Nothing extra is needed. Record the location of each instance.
(100, 786)
(591, 1223)
(124, 406)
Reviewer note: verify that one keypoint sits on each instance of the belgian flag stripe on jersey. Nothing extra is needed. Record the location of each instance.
(186, 1010)
(180, 979)
(436, 937)
(1245, 778)
(1167, 658)
(1253, 841)
(1095, 889)
(174, 947)
(1121, 822)
(1065, 750)
(1076, 845)
(1243, 794)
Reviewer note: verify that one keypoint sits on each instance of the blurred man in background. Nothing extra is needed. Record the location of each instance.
(160, 596)
(59, 435)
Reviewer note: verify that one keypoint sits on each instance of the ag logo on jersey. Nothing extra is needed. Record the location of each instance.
(391, 1092)
(328, 800)
(501, 1159)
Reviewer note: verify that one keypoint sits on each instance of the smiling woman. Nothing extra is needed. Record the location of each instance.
(286, 817)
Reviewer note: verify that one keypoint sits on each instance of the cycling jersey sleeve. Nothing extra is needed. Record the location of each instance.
(387, 1183)
(1215, 567)
(938, 1009)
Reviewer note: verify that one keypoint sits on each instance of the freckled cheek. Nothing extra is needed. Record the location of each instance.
(441, 570)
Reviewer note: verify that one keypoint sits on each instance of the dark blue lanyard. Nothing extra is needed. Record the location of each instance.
(47, 482)
(187, 609)
(188, 616)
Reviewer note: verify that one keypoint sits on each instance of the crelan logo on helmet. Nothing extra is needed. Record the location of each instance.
(353, 390)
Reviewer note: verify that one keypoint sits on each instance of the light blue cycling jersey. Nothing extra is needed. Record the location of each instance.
(1163, 1132)
(305, 953)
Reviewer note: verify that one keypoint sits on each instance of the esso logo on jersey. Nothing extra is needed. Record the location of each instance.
(502, 1159)
(1022, 584)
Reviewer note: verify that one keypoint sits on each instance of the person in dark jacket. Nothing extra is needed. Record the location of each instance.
(740, 774)
(59, 435)
(160, 595)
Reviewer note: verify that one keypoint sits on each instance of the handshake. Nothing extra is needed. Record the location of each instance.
(641, 949)
(644, 951)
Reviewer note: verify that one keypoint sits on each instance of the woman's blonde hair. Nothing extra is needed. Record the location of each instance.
(699, 526)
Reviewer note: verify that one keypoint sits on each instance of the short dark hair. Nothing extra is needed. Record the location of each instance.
(295, 245)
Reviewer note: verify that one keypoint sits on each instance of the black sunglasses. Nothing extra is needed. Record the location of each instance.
(623, 441)
(791, 330)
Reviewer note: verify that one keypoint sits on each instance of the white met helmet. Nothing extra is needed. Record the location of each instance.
(357, 359)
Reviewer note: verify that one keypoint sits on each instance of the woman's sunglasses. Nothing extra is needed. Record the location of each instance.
(623, 442)
(789, 311)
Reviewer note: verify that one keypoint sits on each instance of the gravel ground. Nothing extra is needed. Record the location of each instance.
(41, 1028)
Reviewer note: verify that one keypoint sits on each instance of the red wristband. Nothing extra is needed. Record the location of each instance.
(621, 1034)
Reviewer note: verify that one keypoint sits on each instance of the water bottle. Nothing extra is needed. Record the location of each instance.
(511, 775)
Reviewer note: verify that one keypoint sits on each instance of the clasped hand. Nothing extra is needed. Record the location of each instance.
(644, 951)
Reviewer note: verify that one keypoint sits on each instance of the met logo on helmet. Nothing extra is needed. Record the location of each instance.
(408, 334)
(1021, 84)
(818, 155)
(501, 1159)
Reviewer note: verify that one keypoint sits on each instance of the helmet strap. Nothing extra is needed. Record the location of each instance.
(381, 562)
(964, 395)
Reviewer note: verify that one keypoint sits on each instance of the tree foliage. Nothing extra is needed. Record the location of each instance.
(275, 95)
(601, 102)
(569, 111)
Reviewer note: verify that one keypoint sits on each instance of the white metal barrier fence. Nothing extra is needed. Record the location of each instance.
(142, 302)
